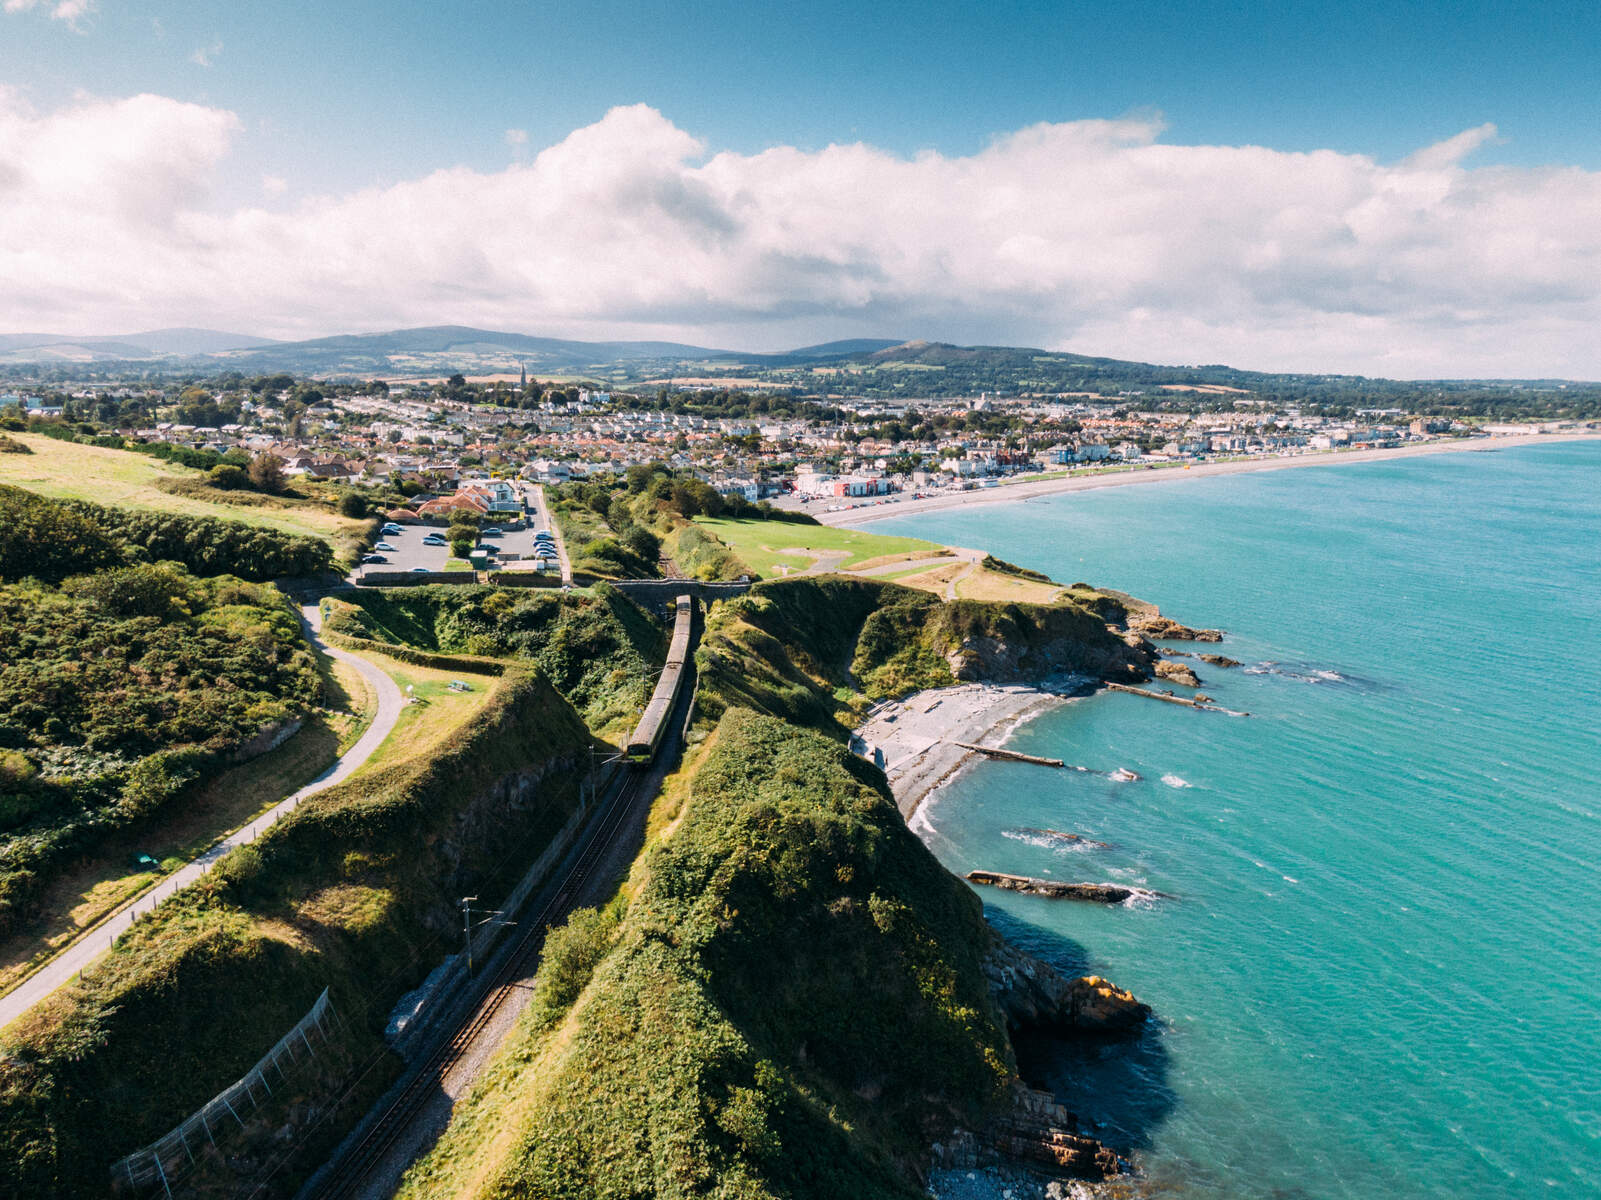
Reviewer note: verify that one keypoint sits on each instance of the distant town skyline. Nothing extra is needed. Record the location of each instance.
(1409, 191)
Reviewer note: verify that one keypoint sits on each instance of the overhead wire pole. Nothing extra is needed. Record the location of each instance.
(489, 915)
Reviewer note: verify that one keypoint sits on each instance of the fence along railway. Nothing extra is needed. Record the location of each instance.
(350, 1173)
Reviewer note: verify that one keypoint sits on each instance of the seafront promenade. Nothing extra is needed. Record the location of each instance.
(1091, 478)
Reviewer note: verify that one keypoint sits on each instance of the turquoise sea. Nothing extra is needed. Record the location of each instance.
(1381, 976)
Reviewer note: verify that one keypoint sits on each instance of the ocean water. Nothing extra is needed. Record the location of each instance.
(1381, 974)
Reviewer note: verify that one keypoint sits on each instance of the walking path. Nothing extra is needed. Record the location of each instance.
(86, 949)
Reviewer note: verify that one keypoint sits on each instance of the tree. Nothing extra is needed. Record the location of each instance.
(461, 547)
(642, 542)
(353, 504)
(266, 474)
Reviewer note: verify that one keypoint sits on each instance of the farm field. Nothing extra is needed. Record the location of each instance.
(73, 471)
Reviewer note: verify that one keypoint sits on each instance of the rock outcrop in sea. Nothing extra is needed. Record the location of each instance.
(1033, 995)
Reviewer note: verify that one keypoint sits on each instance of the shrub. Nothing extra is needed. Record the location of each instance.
(10, 445)
(228, 478)
(353, 504)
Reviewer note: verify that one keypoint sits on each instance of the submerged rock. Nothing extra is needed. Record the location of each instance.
(1219, 660)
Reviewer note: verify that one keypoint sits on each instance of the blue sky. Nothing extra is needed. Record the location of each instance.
(307, 111)
(342, 94)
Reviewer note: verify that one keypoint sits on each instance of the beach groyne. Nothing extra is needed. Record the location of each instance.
(1099, 893)
(1010, 755)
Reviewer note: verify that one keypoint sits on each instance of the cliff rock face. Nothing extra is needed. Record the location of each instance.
(1153, 624)
(1034, 995)
(1050, 647)
(1033, 1130)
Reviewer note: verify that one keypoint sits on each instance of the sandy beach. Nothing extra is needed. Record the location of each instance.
(914, 740)
(1084, 483)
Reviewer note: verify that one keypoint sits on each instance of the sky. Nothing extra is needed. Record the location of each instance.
(1405, 189)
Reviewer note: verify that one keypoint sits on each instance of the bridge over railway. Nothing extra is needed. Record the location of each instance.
(407, 1120)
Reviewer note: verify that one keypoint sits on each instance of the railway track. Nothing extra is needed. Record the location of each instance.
(351, 1171)
(354, 1166)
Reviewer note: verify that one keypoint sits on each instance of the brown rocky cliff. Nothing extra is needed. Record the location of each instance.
(1032, 994)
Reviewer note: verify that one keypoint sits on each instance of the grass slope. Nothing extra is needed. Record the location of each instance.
(355, 890)
(765, 545)
(74, 471)
(791, 1006)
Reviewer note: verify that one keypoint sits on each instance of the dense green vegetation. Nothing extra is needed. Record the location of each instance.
(600, 650)
(119, 692)
(50, 539)
(356, 890)
(615, 525)
(792, 1006)
(807, 649)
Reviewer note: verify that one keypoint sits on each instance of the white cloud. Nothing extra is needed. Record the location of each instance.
(274, 185)
(516, 137)
(1092, 235)
(70, 11)
(204, 56)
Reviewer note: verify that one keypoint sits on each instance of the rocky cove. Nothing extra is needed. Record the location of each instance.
(1035, 1147)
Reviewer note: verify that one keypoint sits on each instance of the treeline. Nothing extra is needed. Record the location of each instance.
(211, 545)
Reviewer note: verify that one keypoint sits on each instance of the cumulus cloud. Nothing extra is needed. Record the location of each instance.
(70, 11)
(1093, 235)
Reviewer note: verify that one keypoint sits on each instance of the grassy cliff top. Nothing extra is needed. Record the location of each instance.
(791, 1005)
(75, 471)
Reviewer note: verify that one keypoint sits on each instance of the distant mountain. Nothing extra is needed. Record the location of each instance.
(848, 348)
(185, 341)
(155, 343)
(435, 349)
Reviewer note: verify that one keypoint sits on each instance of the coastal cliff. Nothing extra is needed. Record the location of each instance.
(815, 650)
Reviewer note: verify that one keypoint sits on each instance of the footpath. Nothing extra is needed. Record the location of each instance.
(86, 949)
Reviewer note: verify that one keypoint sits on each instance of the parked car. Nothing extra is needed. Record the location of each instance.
(492, 531)
(420, 570)
(385, 547)
(391, 527)
(433, 539)
(542, 534)
(373, 558)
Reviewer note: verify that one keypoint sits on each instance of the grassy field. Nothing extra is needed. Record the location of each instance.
(438, 712)
(767, 546)
(73, 471)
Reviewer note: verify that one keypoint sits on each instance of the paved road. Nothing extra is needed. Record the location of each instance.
(540, 517)
(94, 943)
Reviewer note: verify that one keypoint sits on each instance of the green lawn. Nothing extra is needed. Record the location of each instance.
(766, 546)
(74, 471)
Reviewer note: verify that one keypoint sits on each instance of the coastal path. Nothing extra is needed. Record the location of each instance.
(409, 1118)
(95, 942)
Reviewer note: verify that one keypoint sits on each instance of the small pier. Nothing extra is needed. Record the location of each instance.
(1170, 698)
(1011, 755)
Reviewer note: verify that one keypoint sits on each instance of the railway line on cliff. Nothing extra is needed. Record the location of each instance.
(372, 1159)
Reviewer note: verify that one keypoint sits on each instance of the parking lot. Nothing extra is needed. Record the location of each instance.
(513, 549)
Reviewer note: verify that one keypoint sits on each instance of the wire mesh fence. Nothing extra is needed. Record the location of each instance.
(152, 1170)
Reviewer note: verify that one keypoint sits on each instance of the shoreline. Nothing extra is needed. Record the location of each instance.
(1083, 483)
(914, 739)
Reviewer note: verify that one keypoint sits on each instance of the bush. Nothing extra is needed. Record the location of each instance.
(353, 504)
(49, 540)
(9, 445)
(228, 478)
